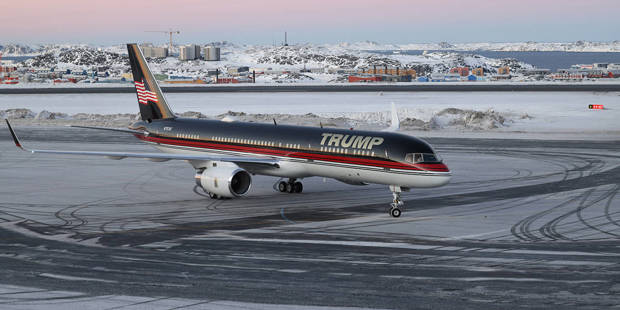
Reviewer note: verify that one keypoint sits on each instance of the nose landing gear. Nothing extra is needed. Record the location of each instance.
(395, 209)
(291, 186)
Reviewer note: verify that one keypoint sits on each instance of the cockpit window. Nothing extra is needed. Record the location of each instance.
(416, 158)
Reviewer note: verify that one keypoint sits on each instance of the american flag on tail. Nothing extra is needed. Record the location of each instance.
(144, 95)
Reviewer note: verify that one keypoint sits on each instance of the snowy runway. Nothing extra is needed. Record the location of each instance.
(523, 221)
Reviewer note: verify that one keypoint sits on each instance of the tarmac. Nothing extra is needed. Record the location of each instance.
(528, 223)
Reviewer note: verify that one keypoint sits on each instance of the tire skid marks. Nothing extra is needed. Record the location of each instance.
(609, 195)
(69, 215)
(573, 206)
(608, 207)
(550, 229)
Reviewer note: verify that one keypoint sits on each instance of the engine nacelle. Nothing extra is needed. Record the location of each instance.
(224, 180)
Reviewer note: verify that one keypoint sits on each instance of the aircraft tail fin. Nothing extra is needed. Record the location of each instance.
(151, 100)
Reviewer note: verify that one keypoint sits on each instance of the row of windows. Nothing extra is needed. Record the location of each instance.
(187, 136)
(292, 146)
(347, 151)
(253, 142)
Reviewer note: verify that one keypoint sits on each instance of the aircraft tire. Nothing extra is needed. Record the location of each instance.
(282, 186)
(395, 212)
(298, 187)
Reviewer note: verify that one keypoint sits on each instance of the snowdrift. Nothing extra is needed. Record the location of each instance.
(450, 118)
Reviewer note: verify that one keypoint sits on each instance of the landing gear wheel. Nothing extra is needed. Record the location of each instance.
(395, 212)
(282, 186)
(289, 188)
(298, 187)
(213, 196)
(397, 203)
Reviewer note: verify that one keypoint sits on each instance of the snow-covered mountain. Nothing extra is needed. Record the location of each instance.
(325, 57)
(80, 56)
(16, 50)
(578, 46)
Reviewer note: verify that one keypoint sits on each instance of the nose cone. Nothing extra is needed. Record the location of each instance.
(441, 180)
(441, 176)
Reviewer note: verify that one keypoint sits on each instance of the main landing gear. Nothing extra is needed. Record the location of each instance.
(292, 186)
(395, 209)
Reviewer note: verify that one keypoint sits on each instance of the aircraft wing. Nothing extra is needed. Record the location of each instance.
(131, 131)
(151, 156)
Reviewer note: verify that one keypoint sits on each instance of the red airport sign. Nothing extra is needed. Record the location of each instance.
(596, 107)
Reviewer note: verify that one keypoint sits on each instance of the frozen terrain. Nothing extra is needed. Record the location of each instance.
(300, 63)
(562, 114)
(577, 46)
(321, 62)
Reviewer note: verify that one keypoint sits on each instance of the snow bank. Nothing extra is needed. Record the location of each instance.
(467, 119)
(16, 113)
(450, 118)
(438, 113)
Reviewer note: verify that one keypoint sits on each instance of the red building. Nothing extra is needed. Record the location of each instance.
(353, 78)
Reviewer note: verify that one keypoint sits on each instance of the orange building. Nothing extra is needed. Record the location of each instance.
(503, 70)
(390, 71)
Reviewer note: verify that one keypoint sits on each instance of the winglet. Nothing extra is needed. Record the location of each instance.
(19, 145)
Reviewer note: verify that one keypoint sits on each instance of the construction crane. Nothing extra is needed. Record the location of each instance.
(170, 33)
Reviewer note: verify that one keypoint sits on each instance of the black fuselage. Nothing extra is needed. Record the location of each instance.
(371, 145)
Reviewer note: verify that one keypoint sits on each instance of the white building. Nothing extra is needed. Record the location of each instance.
(154, 52)
(188, 52)
(211, 53)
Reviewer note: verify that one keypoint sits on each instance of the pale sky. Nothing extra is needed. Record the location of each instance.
(315, 21)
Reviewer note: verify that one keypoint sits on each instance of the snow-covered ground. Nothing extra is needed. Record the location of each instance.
(324, 62)
(577, 46)
(431, 113)
(269, 60)
(301, 63)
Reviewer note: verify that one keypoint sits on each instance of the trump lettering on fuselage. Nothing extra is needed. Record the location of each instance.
(349, 141)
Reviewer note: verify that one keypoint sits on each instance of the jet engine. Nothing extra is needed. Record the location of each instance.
(221, 179)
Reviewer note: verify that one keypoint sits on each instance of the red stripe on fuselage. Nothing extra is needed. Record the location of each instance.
(439, 167)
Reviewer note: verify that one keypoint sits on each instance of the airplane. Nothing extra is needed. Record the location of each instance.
(226, 154)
